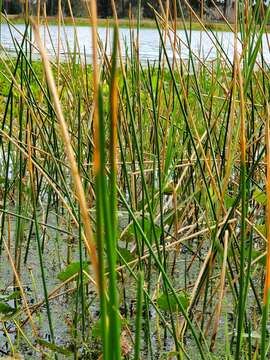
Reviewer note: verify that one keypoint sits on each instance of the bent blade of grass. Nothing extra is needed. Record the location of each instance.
(70, 154)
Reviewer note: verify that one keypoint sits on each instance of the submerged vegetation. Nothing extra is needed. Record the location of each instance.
(134, 197)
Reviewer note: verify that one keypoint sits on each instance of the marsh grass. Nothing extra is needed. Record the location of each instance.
(143, 191)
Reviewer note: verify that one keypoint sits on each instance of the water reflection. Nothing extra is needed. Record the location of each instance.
(204, 46)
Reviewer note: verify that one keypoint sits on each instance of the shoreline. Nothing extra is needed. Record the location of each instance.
(126, 23)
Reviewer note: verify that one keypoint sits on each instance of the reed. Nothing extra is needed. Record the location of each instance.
(135, 193)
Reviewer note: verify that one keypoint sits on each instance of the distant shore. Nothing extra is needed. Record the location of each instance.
(145, 23)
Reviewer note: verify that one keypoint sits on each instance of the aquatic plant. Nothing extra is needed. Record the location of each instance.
(135, 194)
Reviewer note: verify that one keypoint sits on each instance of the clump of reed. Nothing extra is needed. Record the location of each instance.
(135, 195)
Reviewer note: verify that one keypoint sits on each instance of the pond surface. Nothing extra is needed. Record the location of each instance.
(204, 45)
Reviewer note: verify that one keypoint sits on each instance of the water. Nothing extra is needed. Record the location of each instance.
(203, 45)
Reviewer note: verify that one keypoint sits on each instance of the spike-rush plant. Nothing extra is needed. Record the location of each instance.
(134, 216)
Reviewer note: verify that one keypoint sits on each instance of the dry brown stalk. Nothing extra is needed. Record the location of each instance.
(89, 240)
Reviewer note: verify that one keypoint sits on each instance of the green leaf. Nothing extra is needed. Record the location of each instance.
(148, 228)
(15, 295)
(229, 201)
(169, 355)
(53, 347)
(262, 228)
(162, 302)
(71, 269)
(260, 197)
(168, 189)
(255, 254)
(2, 180)
(126, 254)
(6, 309)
